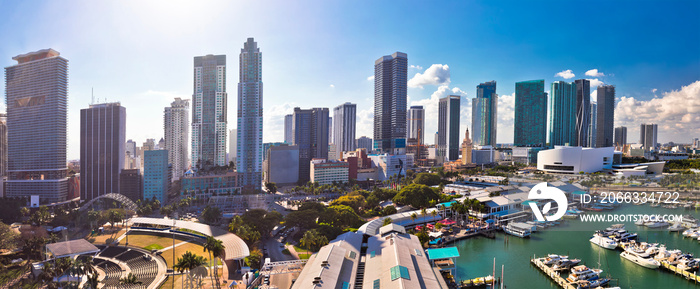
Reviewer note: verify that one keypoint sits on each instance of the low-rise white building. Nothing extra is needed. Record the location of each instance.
(389, 165)
(325, 172)
(573, 160)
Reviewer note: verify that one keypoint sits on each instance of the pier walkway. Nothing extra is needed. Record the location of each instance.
(552, 274)
(689, 276)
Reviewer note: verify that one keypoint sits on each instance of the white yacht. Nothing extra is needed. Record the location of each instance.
(654, 223)
(677, 227)
(553, 258)
(640, 259)
(689, 232)
(603, 241)
(581, 272)
(516, 229)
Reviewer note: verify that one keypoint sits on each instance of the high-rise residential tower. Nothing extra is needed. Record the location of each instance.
(37, 106)
(232, 142)
(176, 126)
(102, 152)
(288, 125)
(530, 125)
(156, 175)
(209, 103)
(448, 127)
(416, 125)
(484, 114)
(583, 111)
(249, 153)
(620, 136)
(606, 116)
(311, 136)
(562, 117)
(344, 128)
(3, 145)
(647, 136)
(390, 97)
(593, 124)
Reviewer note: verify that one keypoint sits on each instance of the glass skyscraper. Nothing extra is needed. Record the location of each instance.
(250, 117)
(209, 111)
(344, 128)
(530, 125)
(310, 134)
(37, 101)
(448, 127)
(583, 112)
(390, 93)
(484, 114)
(606, 116)
(562, 117)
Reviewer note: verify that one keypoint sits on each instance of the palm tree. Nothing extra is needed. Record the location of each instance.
(215, 248)
(187, 262)
(424, 213)
(414, 217)
(130, 280)
(433, 213)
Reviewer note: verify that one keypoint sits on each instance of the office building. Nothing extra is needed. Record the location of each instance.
(156, 175)
(390, 93)
(282, 165)
(102, 140)
(448, 128)
(209, 103)
(310, 134)
(364, 143)
(268, 145)
(344, 128)
(562, 117)
(37, 100)
(583, 111)
(232, 142)
(620, 137)
(647, 136)
(288, 125)
(176, 126)
(130, 148)
(484, 114)
(530, 125)
(330, 129)
(606, 116)
(467, 149)
(206, 186)
(3, 145)
(416, 125)
(131, 184)
(326, 172)
(250, 116)
(593, 125)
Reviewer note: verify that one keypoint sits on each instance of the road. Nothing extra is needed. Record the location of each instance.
(274, 252)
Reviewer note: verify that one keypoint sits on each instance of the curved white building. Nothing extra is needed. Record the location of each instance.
(573, 160)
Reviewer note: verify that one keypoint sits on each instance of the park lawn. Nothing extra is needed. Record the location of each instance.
(101, 239)
(148, 240)
(304, 256)
(179, 250)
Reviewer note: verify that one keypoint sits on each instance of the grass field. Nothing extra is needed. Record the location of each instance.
(179, 250)
(149, 242)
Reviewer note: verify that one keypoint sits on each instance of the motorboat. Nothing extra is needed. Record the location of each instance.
(654, 223)
(592, 284)
(581, 273)
(603, 241)
(689, 221)
(520, 230)
(640, 259)
(553, 258)
(677, 227)
(565, 264)
(689, 232)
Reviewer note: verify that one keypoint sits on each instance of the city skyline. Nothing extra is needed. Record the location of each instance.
(132, 56)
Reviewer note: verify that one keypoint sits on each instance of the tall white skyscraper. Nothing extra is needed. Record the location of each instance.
(344, 128)
(416, 125)
(176, 126)
(250, 117)
(232, 143)
(288, 128)
(209, 111)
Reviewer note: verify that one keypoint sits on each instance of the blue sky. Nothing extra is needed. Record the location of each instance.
(321, 53)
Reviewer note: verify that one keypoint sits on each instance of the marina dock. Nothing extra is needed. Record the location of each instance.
(689, 276)
(552, 274)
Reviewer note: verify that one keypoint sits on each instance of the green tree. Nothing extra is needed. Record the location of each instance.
(40, 217)
(271, 188)
(254, 259)
(305, 220)
(427, 179)
(353, 201)
(216, 249)
(130, 280)
(386, 221)
(8, 238)
(415, 195)
(389, 210)
(211, 215)
(313, 240)
(187, 262)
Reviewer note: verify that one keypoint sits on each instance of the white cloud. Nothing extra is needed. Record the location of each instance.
(332, 86)
(677, 113)
(506, 115)
(457, 91)
(370, 78)
(594, 73)
(654, 90)
(566, 74)
(430, 105)
(595, 83)
(436, 74)
(273, 119)
(365, 123)
(594, 95)
(416, 67)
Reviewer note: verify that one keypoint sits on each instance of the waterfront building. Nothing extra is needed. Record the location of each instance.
(647, 136)
(310, 134)
(530, 124)
(102, 140)
(390, 96)
(282, 165)
(326, 172)
(209, 107)
(250, 116)
(484, 114)
(156, 175)
(176, 127)
(131, 184)
(605, 116)
(448, 127)
(232, 143)
(562, 116)
(288, 128)
(620, 137)
(573, 160)
(344, 128)
(37, 106)
(583, 111)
